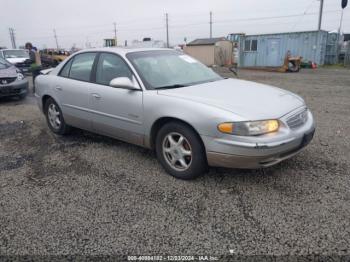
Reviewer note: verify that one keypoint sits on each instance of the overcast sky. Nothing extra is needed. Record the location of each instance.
(81, 21)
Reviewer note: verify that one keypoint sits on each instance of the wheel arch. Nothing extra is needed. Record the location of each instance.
(45, 98)
(160, 122)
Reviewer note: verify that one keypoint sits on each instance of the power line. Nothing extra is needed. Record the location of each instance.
(306, 10)
(252, 19)
(270, 17)
(69, 35)
(181, 25)
(200, 23)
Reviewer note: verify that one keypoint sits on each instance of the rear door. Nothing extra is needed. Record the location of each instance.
(73, 89)
(117, 112)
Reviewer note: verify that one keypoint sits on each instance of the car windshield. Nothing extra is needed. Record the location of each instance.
(16, 54)
(4, 64)
(170, 69)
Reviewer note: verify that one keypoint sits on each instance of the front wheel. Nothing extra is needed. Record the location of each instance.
(22, 96)
(180, 151)
(54, 118)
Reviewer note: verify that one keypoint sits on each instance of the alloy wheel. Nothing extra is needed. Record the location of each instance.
(177, 151)
(54, 116)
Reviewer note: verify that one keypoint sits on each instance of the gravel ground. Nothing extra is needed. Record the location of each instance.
(91, 195)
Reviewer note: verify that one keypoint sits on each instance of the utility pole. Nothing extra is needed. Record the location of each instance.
(10, 31)
(319, 31)
(320, 16)
(211, 24)
(167, 29)
(115, 33)
(344, 3)
(12, 37)
(54, 32)
(341, 21)
(338, 37)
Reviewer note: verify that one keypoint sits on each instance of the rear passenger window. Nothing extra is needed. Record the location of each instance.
(65, 71)
(109, 67)
(81, 66)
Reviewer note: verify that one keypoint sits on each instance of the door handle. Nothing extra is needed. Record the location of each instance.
(97, 96)
(58, 88)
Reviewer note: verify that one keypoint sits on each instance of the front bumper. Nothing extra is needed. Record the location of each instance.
(39, 102)
(257, 152)
(16, 88)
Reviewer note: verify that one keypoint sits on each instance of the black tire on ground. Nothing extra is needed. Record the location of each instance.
(198, 164)
(63, 127)
(22, 96)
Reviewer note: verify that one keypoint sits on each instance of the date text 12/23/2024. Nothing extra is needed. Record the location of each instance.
(173, 258)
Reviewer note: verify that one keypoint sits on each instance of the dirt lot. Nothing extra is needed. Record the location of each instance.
(88, 194)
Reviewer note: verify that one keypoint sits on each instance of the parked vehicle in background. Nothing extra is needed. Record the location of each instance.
(17, 57)
(12, 80)
(51, 58)
(170, 102)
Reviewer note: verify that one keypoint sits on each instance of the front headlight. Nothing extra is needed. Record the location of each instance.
(249, 128)
(20, 76)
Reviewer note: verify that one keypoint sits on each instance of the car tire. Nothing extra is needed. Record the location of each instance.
(22, 96)
(54, 118)
(185, 159)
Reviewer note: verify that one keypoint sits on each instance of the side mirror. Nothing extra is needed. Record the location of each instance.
(123, 82)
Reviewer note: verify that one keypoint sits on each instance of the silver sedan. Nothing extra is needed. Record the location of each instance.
(169, 102)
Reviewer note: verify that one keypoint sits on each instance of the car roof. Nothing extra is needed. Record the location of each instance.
(122, 50)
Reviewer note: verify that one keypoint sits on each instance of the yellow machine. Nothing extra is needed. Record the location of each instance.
(50, 57)
(291, 63)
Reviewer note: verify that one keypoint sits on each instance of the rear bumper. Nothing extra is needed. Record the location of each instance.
(14, 89)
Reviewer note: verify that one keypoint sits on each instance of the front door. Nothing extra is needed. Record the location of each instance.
(117, 112)
(273, 52)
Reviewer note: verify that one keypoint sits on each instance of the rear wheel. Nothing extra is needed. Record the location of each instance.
(180, 151)
(54, 118)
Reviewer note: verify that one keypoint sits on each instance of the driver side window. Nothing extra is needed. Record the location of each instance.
(111, 66)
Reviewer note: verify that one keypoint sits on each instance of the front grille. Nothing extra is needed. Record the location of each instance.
(297, 120)
(7, 80)
(8, 90)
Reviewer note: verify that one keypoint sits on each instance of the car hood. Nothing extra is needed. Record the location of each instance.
(16, 60)
(250, 100)
(8, 72)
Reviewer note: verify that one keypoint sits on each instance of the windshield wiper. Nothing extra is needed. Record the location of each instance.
(170, 86)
